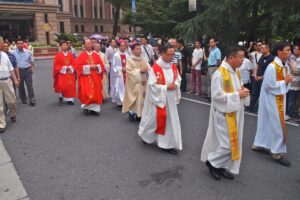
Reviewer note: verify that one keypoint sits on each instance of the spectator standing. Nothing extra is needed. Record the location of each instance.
(185, 59)
(197, 59)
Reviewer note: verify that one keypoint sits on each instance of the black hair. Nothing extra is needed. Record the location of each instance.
(280, 46)
(267, 45)
(20, 40)
(62, 42)
(233, 51)
(165, 48)
(180, 41)
(133, 45)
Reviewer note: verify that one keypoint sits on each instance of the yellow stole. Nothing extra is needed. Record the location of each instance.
(231, 117)
(280, 98)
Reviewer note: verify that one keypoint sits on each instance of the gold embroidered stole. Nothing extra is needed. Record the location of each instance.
(231, 117)
(280, 98)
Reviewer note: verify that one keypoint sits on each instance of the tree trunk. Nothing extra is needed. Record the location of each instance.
(254, 24)
(116, 21)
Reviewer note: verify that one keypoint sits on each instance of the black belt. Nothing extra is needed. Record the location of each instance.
(4, 79)
(24, 68)
(212, 66)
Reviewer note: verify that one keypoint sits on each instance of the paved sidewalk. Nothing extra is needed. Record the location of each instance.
(11, 187)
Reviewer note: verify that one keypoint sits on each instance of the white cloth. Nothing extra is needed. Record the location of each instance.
(93, 107)
(110, 52)
(117, 86)
(245, 70)
(158, 95)
(150, 51)
(269, 132)
(216, 148)
(5, 65)
(255, 57)
(197, 54)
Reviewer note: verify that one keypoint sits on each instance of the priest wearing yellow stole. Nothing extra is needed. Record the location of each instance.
(222, 148)
(271, 131)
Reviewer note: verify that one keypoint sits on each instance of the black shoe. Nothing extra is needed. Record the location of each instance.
(171, 151)
(70, 103)
(60, 100)
(13, 119)
(260, 149)
(131, 117)
(32, 103)
(94, 113)
(213, 171)
(283, 161)
(2, 130)
(226, 174)
(144, 142)
(86, 112)
(138, 119)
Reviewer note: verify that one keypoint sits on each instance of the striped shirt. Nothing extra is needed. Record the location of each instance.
(177, 57)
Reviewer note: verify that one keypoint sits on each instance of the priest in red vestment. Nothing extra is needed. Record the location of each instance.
(64, 76)
(90, 69)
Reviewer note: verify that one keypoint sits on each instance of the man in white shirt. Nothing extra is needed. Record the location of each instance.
(197, 58)
(147, 51)
(7, 93)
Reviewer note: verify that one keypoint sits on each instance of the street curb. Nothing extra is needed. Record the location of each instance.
(11, 187)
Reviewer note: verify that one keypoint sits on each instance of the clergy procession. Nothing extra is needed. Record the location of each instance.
(149, 90)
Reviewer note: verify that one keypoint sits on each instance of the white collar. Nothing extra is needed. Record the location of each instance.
(65, 53)
(279, 62)
(89, 53)
(163, 64)
(227, 66)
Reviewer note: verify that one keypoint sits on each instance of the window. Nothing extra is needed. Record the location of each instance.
(95, 12)
(60, 3)
(96, 29)
(101, 12)
(76, 28)
(75, 10)
(81, 11)
(62, 27)
(82, 28)
(113, 13)
(101, 29)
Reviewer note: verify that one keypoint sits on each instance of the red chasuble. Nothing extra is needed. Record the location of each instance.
(161, 113)
(64, 83)
(89, 85)
(123, 60)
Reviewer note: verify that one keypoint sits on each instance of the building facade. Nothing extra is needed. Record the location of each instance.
(40, 20)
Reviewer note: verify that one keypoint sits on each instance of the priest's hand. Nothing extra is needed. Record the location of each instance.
(144, 69)
(243, 92)
(172, 86)
(92, 67)
(288, 79)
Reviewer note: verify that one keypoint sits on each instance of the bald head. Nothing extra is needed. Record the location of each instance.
(88, 45)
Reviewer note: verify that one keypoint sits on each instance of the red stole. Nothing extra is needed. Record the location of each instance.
(123, 60)
(161, 113)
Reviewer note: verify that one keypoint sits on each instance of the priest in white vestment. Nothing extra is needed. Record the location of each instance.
(271, 129)
(118, 73)
(160, 121)
(222, 148)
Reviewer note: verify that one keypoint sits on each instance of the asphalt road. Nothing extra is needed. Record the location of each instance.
(62, 155)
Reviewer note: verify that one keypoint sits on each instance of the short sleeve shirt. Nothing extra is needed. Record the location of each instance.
(197, 54)
(214, 56)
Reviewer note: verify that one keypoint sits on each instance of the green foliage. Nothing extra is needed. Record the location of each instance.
(228, 20)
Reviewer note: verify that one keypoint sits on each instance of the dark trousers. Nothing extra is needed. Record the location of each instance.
(183, 78)
(255, 94)
(292, 102)
(26, 78)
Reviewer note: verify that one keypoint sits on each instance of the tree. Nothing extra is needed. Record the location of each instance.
(118, 4)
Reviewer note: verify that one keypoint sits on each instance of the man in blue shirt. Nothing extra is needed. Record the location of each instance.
(214, 61)
(26, 67)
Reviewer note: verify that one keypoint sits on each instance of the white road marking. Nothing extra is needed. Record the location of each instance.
(247, 113)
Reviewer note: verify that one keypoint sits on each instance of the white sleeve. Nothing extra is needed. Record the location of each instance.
(63, 70)
(223, 102)
(86, 69)
(270, 83)
(157, 93)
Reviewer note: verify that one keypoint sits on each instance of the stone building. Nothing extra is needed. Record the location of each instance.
(39, 20)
